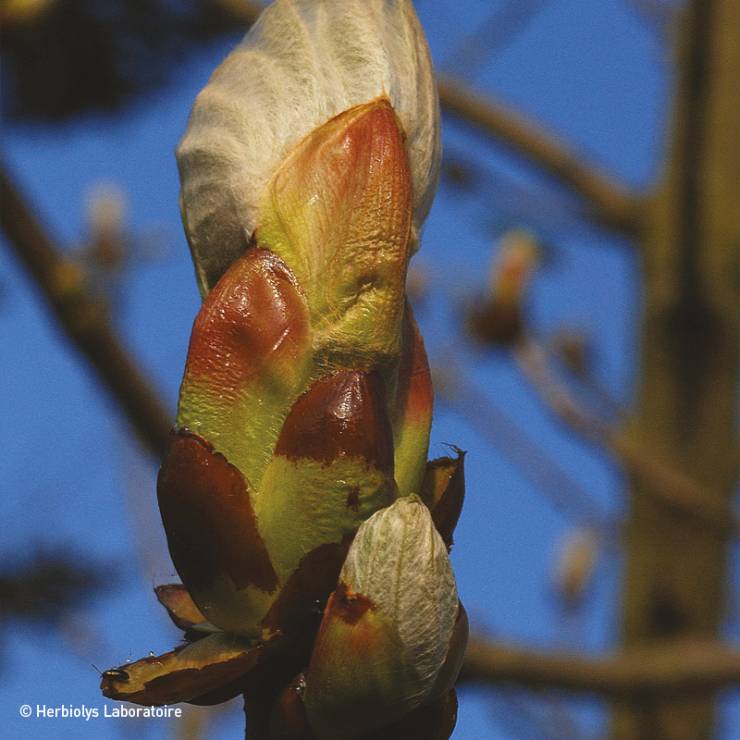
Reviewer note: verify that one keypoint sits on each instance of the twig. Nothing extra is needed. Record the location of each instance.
(670, 486)
(83, 318)
(689, 667)
(610, 203)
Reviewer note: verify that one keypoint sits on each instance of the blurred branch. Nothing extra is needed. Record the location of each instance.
(525, 714)
(610, 203)
(690, 667)
(82, 317)
(669, 486)
(45, 587)
(657, 15)
(676, 575)
(506, 435)
(245, 11)
(503, 24)
(540, 207)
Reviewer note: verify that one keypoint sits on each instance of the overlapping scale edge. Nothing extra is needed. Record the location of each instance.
(337, 211)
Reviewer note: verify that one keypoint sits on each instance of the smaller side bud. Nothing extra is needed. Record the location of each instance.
(500, 321)
(575, 565)
(384, 645)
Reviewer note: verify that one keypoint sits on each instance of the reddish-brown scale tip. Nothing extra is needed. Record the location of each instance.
(444, 492)
(342, 415)
(348, 606)
(415, 395)
(255, 312)
(175, 598)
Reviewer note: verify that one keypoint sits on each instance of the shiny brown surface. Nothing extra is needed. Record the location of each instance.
(208, 517)
(342, 415)
(256, 311)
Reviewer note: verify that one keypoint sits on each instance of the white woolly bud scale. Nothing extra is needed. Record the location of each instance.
(302, 63)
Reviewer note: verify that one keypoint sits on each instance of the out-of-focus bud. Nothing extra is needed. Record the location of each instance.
(514, 264)
(500, 319)
(575, 563)
(388, 642)
(302, 63)
(106, 254)
(106, 209)
(575, 351)
(418, 285)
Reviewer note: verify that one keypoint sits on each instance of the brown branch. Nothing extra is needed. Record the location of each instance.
(669, 486)
(680, 668)
(82, 317)
(610, 203)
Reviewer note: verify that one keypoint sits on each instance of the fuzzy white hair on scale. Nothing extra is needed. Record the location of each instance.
(302, 63)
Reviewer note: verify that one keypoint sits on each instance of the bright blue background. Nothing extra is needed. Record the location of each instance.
(596, 74)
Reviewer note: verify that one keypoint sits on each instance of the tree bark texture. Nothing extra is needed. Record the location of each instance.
(676, 569)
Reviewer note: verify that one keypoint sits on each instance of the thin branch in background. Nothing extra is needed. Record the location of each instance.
(672, 669)
(491, 36)
(574, 350)
(610, 203)
(83, 318)
(109, 250)
(506, 435)
(657, 15)
(670, 486)
(514, 201)
(519, 715)
(193, 725)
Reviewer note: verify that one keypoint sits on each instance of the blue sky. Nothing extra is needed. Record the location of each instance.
(592, 72)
